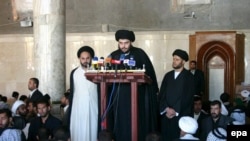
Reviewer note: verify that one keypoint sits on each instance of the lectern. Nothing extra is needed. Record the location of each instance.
(134, 77)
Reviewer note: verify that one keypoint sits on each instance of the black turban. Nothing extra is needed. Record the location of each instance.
(86, 49)
(125, 34)
(181, 53)
(224, 97)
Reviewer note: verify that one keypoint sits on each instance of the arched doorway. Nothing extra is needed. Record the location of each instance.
(217, 62)
(220, 55)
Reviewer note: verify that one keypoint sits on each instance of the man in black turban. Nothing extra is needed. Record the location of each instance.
(86, 49)
(125, 34)
(120, 119)
(176, 96)
(181, 53)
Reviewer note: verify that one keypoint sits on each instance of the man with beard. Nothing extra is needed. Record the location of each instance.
(214, 121)
(198, 78)
(7, 132)
(19, 113)
(120, 117)
(199, 113)
(176, 96)
(83, 100)
(35, 94)
(45, 120)
(65, 106)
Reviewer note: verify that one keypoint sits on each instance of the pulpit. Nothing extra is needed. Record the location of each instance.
(134, 77)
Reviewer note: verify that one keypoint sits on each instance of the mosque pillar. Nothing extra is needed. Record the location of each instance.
(49, 46)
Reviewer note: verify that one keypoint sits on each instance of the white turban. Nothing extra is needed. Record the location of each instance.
(16, 105)
(239, 116)
(245, 93)
(188, 124)
(218, 134)
(224, 110)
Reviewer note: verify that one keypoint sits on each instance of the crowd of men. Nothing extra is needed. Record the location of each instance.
(170, 112)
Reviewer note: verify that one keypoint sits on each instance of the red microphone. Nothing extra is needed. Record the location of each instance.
(116, 62)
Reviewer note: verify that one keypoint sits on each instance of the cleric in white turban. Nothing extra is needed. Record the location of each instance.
(217, 134)
(188, 126)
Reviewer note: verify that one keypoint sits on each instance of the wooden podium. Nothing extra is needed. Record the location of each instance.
(133, 77)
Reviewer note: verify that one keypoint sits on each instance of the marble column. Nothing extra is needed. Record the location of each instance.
(49, 46)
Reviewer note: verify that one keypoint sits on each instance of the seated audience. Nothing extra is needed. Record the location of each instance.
(217, 134)
(188, 126)
(24, 98)
(199, 114)
(43, 134)
(225, 97)
(62, 134)
(44, 120)
(216, 119)
(238, 112)
(65, 105)
(19, 113)
(7, 132)
(32, 112)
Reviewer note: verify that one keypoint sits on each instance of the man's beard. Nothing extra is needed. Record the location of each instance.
(125, 51)
(85, 65)
(214, 115)
(45, 115)
(177, 67)
(23, 114)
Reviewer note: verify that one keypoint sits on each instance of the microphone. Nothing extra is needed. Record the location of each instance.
(95, 63)
(101, 63)
(108, 62)
(125, 63)
(122, 57)
(131, 62)
(116, 63)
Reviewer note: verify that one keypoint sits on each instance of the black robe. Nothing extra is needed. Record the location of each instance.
(119, 119)
(177, 94)
(67, 123)
(199, 82)
(36, 96)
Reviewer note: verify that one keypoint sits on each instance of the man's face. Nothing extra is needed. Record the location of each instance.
(215, 111)
(85, 59)
(43, 110)
(4, 120)
(64, 101)
(31, 85)
(197, 106)
(192, 66)
(124, 45)
(22, 110)
(177, 62)
(31, 108)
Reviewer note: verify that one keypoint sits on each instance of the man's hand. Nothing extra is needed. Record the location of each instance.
(170, 112)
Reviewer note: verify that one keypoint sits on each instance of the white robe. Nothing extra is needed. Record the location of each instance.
(84, 114)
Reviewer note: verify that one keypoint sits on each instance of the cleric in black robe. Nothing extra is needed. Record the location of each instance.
(120, 114)
(176, 96)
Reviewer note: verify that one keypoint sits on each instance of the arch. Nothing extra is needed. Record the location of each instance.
(217, 48)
